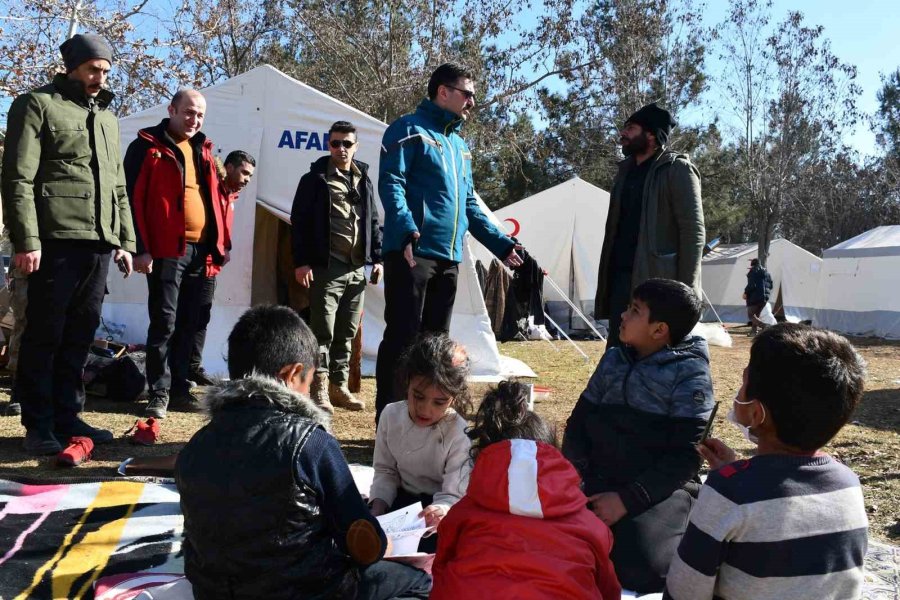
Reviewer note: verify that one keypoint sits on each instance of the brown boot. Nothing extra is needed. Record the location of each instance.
(344, 398)
(319, 392)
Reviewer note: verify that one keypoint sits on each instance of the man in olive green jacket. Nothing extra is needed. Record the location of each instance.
(655, 222)
(66, 211)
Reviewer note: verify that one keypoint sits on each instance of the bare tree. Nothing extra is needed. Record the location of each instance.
(794, 99)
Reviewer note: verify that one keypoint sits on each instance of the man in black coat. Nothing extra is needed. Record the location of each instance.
(759, 286)
(334, 234)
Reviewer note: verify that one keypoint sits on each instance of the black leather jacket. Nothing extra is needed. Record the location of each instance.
(252, 530)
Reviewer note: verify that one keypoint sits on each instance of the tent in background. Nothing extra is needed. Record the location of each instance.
(284, 124)
(795, 277)
(562, 227)
(859, 291)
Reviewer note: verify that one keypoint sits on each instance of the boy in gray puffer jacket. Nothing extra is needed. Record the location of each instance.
(633, 432)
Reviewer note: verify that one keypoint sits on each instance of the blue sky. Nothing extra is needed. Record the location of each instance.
(863, 33)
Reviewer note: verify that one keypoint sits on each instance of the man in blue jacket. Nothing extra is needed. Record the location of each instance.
(425, 185)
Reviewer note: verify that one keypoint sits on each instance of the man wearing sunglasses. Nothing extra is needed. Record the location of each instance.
(426, 188)
(334, 234)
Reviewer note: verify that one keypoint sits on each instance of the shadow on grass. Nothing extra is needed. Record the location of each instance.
(358, 451)
(102, 465)
(879, 409)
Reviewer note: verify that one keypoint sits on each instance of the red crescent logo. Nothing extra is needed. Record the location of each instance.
(515, 230)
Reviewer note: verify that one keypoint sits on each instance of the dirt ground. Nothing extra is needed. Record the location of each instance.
(870, 445)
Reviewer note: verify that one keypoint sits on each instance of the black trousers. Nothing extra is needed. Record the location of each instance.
(619, 298)
(646, 544)
(65, 296)
(416, 300)
(180, 294)
(207, 293)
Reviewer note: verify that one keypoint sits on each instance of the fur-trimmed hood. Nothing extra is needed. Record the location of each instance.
(256, 390)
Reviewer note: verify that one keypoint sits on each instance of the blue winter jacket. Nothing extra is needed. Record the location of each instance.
(634, 428)
(425, 185)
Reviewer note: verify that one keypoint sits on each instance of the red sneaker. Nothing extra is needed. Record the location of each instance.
(145, 433)
(78, 451)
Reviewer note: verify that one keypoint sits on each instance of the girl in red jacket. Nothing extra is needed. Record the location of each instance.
(523, 529)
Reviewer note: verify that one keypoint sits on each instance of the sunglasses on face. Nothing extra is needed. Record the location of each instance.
(470, 95)
(345, 143)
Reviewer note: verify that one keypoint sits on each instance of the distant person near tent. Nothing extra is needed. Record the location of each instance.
(655, 223)
(238, 168)
(759, 287)
(425, 184)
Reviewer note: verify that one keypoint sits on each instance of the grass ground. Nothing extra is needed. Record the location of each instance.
(870, 445)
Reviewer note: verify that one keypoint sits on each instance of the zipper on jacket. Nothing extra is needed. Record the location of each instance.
(631, 364)
(455, 190)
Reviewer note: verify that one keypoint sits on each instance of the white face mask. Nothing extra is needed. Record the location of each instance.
(731, 417)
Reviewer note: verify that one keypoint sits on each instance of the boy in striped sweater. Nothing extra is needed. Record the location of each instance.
(789, 522)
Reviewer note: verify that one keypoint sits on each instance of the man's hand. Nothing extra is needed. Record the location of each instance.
(716, 453)
(408, 251)
(608, 506)
(304, 275)
(378, 507)
(377, 272)
(512, 259)
(227, 258)
(28, 262)
(433, 514)
(143, 263)
(123, 261)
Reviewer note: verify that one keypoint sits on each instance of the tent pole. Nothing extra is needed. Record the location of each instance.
(713, 308)
(575, 308)
(580, 351)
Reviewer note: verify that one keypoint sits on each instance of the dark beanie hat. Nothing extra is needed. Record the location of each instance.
(82, 48)
(654, 119)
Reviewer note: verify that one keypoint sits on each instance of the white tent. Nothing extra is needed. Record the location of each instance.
(795, 276)
(284, 123)
(858, 290)
(562, 227)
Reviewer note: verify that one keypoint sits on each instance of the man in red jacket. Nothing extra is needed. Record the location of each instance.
(180, 226)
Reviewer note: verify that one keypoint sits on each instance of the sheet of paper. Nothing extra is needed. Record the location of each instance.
(404, 519)
(405, 528)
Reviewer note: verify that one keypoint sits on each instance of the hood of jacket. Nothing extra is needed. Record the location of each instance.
(693, 346)
(526, 478)
(443, 120)
(263, 391)
(320, 166)
(159, 134)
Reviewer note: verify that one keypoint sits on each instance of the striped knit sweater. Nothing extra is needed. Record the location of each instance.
(774, 526)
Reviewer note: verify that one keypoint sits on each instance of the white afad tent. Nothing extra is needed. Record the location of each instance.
(795, 277)
(283, 123)
(562, 227)
(858, 290)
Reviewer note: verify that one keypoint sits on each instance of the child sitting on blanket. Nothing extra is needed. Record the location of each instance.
(522, 530)
(421, 448)
(270, 507)
(789, 522)
(633, 432)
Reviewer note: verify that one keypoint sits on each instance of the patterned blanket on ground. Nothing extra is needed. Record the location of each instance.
(57, 540)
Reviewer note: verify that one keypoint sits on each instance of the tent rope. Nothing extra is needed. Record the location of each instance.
(559, 329)
(575, 308)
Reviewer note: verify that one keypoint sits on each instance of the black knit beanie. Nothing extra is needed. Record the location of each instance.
(654, 119)
(80, 48)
